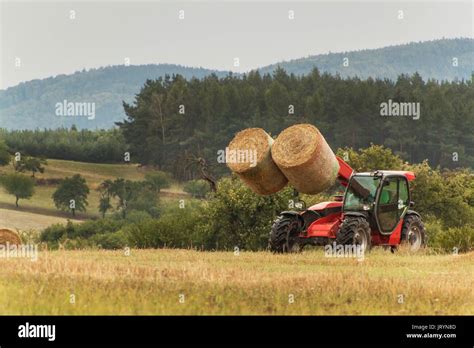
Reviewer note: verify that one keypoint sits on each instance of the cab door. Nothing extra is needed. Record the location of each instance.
(392, 203)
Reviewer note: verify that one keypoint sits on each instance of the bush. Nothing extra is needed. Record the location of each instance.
(91, 228)
(85, 230)
(197, 188)
(28, 236)
(136, 216)
(372, 158)
(237, 217)
(145, 200)
(450, 239)
(174, 229)
(158, 180)
(145, 234)
(116, 240)
(140, 230)
(443, 195)
(54, 232)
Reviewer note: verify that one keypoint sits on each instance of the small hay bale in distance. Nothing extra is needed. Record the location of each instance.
(249, 156)
(9, 236)
(305, 158)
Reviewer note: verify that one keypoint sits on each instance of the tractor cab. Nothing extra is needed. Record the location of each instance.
(383, 197)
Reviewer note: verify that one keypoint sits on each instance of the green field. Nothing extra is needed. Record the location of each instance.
(42, 204)
(154, 282)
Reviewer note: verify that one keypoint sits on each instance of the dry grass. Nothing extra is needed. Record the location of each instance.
(151, 281)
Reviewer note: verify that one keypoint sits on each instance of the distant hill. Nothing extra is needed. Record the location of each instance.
(431, 59)
(31, 104)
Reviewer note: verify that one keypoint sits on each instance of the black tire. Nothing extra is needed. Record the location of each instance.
(413, 232)
(355, 231)
(284, 236)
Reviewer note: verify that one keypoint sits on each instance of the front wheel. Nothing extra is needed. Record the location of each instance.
(284, 236)
(355, 231)
(413, 232)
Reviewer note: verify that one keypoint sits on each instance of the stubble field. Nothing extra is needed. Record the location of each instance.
(224, 283)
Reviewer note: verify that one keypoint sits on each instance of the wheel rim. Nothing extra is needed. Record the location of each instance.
(414, 237)
(360, 238)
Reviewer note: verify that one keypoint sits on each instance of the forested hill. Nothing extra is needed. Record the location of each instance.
(32, 104)
(431, 59)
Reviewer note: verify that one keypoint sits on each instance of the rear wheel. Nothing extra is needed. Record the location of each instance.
(284, 237)
(354, 231)
(413, 232)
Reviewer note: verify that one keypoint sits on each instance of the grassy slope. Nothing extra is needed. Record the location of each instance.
(25, 221)
(151, 281)
(94, 173)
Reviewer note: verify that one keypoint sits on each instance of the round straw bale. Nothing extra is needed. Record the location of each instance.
(304, 157)
(9, 236)
(249, 156)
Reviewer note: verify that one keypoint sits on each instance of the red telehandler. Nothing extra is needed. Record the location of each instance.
(375, 210)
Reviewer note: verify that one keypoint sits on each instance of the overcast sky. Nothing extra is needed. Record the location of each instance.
(48, 42)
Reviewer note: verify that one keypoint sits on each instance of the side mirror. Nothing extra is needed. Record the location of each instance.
(412, 204)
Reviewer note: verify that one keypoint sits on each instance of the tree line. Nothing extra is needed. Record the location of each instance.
(173, 118)
(179, 124)
(97, 146)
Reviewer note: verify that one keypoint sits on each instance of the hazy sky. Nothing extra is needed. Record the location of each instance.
(48, 42)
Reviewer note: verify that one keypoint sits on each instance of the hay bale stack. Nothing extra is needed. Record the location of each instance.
(249, 156)
(9, 236)
(304, 157)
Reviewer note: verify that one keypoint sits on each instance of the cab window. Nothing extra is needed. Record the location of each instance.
(387, 210)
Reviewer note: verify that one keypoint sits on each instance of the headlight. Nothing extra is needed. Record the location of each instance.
(366, 207)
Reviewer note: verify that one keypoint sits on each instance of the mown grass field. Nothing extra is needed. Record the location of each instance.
(154, 282)
(27, 221)
(42, 205)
